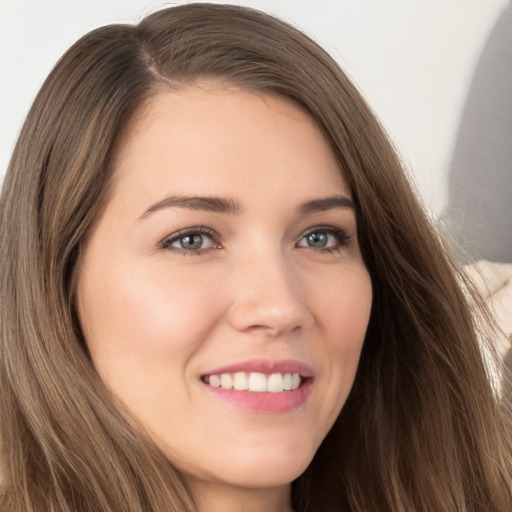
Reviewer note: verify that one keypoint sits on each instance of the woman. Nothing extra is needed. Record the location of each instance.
(220, 293)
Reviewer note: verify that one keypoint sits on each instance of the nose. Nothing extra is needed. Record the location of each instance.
(267, 297)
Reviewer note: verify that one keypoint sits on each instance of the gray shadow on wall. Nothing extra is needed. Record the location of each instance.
(479, 212)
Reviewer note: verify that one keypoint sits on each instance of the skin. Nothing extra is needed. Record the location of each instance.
(156, 316)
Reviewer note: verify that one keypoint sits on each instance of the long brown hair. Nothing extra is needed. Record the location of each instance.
(421, 430)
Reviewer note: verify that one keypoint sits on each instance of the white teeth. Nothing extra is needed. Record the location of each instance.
(275, 383)
(214, 381)
(255, 381)
(240, 382)
(226, 382)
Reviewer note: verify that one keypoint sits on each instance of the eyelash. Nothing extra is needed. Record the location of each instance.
(341, 236)
(198, 230)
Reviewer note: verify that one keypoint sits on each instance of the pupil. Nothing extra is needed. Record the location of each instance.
(317, 239)
(191, 242)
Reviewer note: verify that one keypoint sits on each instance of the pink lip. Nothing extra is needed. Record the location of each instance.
(266, 366)
(265, 401)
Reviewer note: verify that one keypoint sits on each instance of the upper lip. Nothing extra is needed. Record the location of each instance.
(266, 366)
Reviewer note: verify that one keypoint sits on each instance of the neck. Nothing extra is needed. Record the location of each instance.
(212, 497)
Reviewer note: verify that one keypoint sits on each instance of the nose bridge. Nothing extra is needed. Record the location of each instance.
(266, 293)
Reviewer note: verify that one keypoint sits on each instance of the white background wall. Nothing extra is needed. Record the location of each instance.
(437, 72)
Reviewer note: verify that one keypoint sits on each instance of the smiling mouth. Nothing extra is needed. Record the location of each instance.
(255, 381)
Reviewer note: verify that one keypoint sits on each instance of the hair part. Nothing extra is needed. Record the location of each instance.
(421, 429)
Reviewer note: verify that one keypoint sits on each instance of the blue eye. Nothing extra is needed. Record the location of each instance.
(324, 239)
(317, 240)
(193, 240)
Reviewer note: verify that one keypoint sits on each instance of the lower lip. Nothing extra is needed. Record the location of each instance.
(265, 401)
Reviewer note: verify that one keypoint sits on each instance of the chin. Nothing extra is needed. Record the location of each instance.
(255, 468)
(270, 473)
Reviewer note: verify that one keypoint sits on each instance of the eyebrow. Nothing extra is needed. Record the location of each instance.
(209, 204)
(230, 206)
(327, 203)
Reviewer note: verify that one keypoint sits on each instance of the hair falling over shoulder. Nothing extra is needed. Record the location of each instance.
(422, 429)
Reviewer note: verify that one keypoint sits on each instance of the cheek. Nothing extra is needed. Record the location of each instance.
(343, 315)
(143, 329)
(141, 321)
(344, 308)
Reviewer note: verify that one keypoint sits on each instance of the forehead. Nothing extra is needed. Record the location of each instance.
(210, 138)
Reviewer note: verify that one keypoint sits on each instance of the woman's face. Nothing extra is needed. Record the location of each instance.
(227, 257)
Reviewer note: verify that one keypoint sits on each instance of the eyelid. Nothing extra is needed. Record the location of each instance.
(167, 242)
(340, 234)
